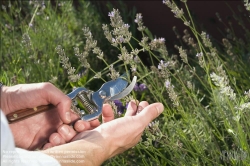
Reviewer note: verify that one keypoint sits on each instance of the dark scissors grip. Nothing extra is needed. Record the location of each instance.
(28, 112)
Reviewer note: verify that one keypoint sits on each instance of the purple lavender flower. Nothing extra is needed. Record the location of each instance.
(142, 87)
(136, 87)
(120, 107)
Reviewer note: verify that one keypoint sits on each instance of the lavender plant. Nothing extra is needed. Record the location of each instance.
(204, 122)
(31, 30)
(204, 88)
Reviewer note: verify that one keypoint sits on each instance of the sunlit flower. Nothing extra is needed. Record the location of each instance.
(126, 25)
(163, 64)
(199, 54)
(111, 14)
(165, 1)
(162, 40)
(167, 84)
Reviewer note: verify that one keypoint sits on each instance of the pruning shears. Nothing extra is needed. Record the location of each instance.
(81, 97)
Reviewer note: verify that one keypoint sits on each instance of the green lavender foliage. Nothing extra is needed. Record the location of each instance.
(31, 31)
(205, 107)
(205, 88)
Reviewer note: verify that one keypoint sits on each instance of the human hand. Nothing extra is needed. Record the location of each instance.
(65, 133)
(34, 132)
(124, 133)
(112, 138)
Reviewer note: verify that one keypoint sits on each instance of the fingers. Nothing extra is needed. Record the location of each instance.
(141, 106)
(64, 134)
(47, 146)
(56, 97)
(81, 125)
(56, 139)
(134, 107)
(150, 112)
(94, 123)
(107, 113)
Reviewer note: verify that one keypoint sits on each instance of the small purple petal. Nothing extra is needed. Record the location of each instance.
(136, 88)
(120, 107)
(142, 87)
(117, 102)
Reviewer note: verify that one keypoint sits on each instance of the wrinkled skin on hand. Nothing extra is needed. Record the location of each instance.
(34, 132)
(123, 133)
(112, 137)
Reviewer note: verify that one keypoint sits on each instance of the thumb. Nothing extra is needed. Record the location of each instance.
(150, 112)
(107, 113)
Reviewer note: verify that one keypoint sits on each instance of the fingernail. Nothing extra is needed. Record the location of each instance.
(134, 102)
(81, 127)
(68, 118)
(139, 109)
(160, 108)
(64, 130)
(57, 140)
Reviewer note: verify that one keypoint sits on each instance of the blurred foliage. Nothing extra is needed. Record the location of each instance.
(31, 30)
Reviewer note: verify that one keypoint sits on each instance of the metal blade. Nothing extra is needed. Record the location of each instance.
(113, 87)
(118, 86)
(126, 91)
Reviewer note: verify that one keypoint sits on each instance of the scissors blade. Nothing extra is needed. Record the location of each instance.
(113, 87)
(126, 91)
(118, 85)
